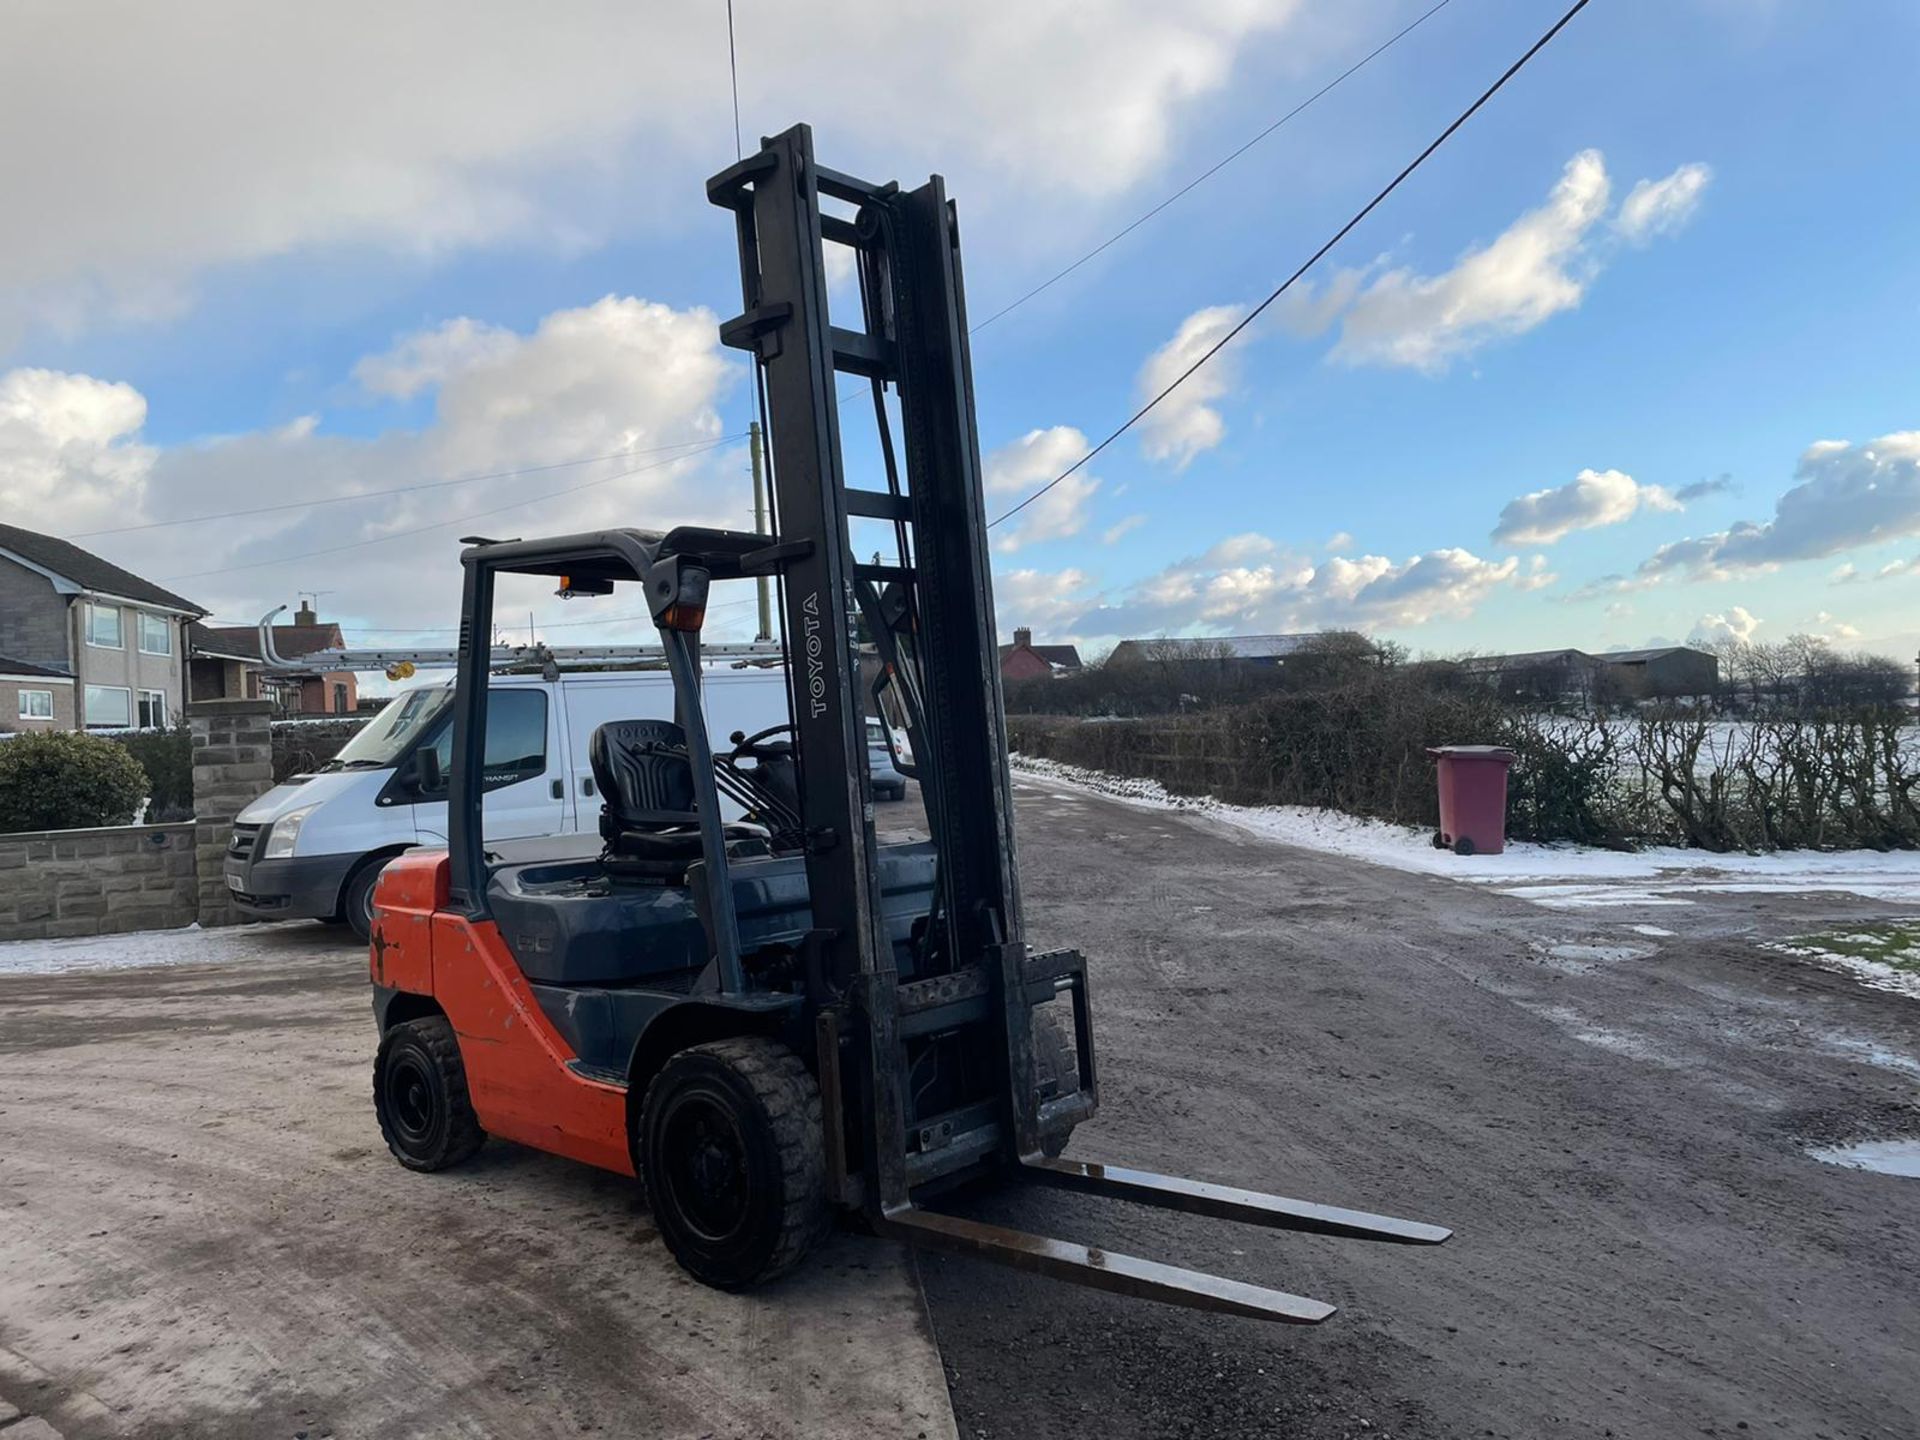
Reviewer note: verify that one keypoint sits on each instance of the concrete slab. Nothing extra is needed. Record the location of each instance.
(197, 1216)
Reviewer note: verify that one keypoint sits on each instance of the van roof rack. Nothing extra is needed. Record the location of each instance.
(502, 657)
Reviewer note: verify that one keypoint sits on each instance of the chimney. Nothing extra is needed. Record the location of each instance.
(306, 614)
(1023, 639)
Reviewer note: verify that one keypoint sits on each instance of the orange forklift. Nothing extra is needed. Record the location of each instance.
(734, 991)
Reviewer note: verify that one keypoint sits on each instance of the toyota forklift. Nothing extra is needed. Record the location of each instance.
(735, 991)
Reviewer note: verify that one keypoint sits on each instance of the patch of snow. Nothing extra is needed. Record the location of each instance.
(1883, 1157)
(138, 949)
(1874, 974)
(1653, 930)
(1590, 877)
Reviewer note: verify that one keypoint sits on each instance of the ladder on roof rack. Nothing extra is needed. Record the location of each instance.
(561, 657)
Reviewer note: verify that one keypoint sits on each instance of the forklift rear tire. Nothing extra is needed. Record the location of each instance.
(420, 1095)
(732, 1154)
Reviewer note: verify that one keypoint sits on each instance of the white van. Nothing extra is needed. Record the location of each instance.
(312, 848)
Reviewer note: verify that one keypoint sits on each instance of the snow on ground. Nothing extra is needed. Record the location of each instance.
(1559, 876)
(139, 949)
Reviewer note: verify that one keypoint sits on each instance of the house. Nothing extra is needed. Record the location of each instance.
(41, 696)
(1024, 660)
(227, 663)
(90, 644)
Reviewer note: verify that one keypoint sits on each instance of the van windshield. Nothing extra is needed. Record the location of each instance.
(391, 733)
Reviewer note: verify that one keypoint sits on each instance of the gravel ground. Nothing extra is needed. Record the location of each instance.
(1615, 1123)
(200, 1236)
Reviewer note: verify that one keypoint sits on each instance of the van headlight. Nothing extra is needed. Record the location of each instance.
(285, 833)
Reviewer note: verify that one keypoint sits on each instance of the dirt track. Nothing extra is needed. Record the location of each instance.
(1643, 1248)
(199, 1233)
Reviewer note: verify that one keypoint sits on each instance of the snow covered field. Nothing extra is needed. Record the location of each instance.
(1558, 876)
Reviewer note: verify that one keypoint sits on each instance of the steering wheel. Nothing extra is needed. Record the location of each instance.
(756, 745)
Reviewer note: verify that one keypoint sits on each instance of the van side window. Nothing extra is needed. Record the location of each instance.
(516, 737)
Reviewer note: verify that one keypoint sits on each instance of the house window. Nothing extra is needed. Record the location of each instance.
(153, 709)
(109, 707)
(339, 699)
(36, 704)
(103, 627)
(156, 634)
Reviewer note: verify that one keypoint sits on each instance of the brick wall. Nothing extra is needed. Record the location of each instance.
(96, 882)
(232, 767)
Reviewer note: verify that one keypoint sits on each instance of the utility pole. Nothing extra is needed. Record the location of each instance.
(756, 442)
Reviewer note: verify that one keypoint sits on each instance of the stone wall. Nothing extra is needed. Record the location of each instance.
(96, 882)
(232, 766)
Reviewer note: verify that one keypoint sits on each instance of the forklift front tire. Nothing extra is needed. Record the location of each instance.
(733, 1157)
(420, 1095)
(1056, 1069)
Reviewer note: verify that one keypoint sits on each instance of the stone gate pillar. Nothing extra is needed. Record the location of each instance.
(232, 766)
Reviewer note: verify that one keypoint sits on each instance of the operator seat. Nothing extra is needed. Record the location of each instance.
(646, 787)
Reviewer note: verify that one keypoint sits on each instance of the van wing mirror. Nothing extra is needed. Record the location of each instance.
(428, 777)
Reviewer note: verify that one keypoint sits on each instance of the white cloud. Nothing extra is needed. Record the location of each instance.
(1662, 207)
(429, 358)
(1249, 583)
(1186, 422)
(1845, 496)
(1593, 498)
(616, 375)
(1827, 626)
(69, 456)
(1338, 541)
(1043, 601)
(1115, 532)
(1538, 267)
(1036, 458)
(1735, 623)
(147, 157)
(1895, 568)
(1536, 576)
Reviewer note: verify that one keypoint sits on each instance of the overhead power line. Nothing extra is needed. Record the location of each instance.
(459, 519)
(1204, 176)
(1221, 164)
(692, 445)
(1313, 259)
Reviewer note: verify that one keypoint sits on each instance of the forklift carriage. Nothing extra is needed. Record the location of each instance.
(775, 1019)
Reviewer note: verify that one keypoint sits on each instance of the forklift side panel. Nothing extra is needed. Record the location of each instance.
(410, 889)
(518, 1074)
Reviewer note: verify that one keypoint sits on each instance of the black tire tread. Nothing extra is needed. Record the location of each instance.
(788, 1093)
(1056, 1067)
(434, 1033)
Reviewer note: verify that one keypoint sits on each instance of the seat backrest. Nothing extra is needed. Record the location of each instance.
(642, 771)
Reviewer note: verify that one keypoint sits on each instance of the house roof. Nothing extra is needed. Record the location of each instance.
(1066, 655)
(87, 570)
(11, 666)
(242, 642)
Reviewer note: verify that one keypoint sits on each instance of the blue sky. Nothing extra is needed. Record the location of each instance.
(235, 225)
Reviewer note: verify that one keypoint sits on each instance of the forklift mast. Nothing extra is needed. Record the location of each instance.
(930, 611)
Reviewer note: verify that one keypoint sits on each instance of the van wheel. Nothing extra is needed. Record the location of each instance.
(733, 1156)
(356, 906)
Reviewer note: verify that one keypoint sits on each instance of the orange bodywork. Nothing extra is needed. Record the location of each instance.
(516, 1062)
